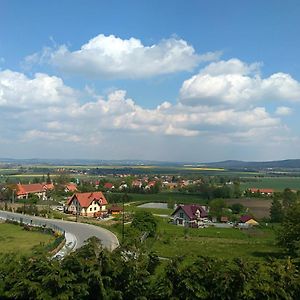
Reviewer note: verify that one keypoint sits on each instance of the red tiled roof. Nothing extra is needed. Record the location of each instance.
(72, 187)
(85, 199)
(190, 210)
(245, 218)
(265, 191)
(24, 189)
(108, 185)
(48, 186)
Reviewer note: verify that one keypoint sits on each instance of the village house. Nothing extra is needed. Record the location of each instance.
(92, 204)
(38, 189)
(109, 186)
(247, 221)
(266, 192)
(189, 215)
(71, 187)
(136, 184)
(150, 185)
(115, 210)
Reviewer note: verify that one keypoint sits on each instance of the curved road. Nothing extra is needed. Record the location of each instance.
(81, 231)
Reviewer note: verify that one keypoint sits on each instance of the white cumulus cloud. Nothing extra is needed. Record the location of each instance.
(234, 82)
(110, 57)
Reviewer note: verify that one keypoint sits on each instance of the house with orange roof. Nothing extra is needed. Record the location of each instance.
(71, 187)
(267, 192)
(92, 204)
(38, 189)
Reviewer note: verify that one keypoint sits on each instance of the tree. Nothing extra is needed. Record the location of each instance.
(145, 222)
(288, 198)
(237, 208)
(289, 233)
(216, 207)
(276, 211)
(48, 180)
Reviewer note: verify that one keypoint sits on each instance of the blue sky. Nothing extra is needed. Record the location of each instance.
(164, 80)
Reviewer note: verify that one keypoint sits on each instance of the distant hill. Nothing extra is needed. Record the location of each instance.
(237, 164)
(228, 164)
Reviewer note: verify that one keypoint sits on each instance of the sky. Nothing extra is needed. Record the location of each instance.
(180, 80)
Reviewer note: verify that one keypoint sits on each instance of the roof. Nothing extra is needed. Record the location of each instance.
(115, 208)
(245, 218)
(265, 191)
(48, 186)
(85, 199)
(191, 209)
(72, 187)
(108, 185)
(24, 189)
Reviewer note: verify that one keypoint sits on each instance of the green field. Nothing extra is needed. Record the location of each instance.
(162, 197)
(229, 243)
(276, 183)
(13, 238)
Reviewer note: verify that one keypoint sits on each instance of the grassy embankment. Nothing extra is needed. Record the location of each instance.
(13, 238)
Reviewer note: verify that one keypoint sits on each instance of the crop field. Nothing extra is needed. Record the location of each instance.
(276, 183)
(260, 208)
(228, 243)
(14, 238)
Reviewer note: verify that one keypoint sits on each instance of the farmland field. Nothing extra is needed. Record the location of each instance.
(276, 183)
(13, 238)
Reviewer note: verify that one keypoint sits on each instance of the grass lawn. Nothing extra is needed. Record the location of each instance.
(228, 243)
(13, 238)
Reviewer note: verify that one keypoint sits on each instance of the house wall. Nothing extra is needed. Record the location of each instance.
(95, 208)
(41, 195)
(181, 215)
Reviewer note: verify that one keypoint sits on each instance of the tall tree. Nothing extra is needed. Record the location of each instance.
(276, 211)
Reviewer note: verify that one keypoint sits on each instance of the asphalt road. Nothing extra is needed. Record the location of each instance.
(81, 231)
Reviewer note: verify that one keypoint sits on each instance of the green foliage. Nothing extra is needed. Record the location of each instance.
(276, 211)
(237, 208)
(144, 222)
(289, 234)
(94, 273)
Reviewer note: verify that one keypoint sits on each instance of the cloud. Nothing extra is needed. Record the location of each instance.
(44, 111)
(234, 82)
(110, 57)
(19, 91)
(283, 111)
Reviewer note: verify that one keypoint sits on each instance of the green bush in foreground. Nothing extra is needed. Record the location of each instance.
(94, 273)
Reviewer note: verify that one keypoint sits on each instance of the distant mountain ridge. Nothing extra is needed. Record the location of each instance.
(227, 164)
(238, 164)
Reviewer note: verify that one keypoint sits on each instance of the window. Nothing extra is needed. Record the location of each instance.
(91, 208)
(95, 208)
(181, 215)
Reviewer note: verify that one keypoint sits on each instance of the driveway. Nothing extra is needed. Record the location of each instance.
(80, 231)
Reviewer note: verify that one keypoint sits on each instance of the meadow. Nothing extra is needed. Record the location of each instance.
(13, 238)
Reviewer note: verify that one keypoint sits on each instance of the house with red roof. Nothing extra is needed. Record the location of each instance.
(248, 221)
(189, 215)
(38, 189)
(266, 192)
(150, 185)
(108, 186)
(92, 204)
(71, 187)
